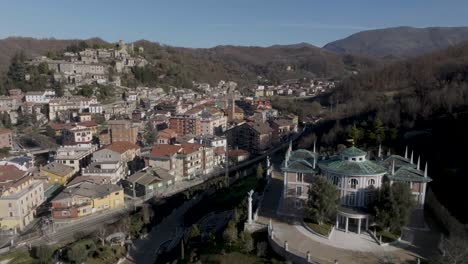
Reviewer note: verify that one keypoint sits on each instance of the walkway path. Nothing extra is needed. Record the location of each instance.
(344, 247)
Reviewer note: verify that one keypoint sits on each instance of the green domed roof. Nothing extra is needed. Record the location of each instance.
(351, 168)
(353, 152)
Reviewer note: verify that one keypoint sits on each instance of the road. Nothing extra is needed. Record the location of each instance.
(146, 250)
(68, 231)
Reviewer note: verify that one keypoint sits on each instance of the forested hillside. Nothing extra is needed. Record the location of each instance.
(180, 66)
(399, 42)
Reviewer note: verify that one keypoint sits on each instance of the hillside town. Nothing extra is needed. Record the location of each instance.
(145, 143)
(233, 132)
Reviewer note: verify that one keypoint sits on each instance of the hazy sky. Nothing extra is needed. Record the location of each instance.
(207, 23)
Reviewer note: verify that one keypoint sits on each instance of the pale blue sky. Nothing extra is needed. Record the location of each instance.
(207, 23)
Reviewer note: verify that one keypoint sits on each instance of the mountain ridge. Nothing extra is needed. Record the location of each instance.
(399, 42)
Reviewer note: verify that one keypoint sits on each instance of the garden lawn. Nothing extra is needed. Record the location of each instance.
(387, 236)
(323, 229)
(17, 257)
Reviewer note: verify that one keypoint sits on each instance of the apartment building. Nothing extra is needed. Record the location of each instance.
(76, 157)
(185, 125)
(122, 130)
(77, 135)
(20, 195)
(184, 161)
(256, 137)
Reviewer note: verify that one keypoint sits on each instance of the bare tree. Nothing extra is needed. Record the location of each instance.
(454, 251)
(101, 235)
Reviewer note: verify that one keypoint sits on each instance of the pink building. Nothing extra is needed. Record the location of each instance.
(6, 140)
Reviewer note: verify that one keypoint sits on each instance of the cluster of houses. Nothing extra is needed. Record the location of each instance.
(104, 154)
(294, 88)
(92, 65)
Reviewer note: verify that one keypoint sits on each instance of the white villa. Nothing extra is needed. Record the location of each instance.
(356, 177)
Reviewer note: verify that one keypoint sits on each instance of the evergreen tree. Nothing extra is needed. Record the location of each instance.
(354, 133)
(150, 134)
(44, 253)
(378, 131)
(43, 68)
(260, 171)
(230, 233)
(194, 232)
(247, 242)
(59, 89)
(77, 253)
(18, 69)
(323, 200)
(393, 206)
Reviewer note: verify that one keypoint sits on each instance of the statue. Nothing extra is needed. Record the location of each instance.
(249, 216)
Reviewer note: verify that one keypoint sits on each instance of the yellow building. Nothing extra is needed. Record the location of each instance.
(86, 198)
(238, 113)
(56, 173)
(20, 195)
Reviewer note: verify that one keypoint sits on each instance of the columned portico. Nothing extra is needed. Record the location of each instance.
(345, 214)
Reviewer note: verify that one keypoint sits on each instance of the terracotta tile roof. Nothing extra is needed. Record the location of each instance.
(167, 133)
(87, 123)
(59, 126)
(238, 152)
(121, 147)
(4, 131)
(10, 173)
(189, 148)
(219, 151)
(165, 150)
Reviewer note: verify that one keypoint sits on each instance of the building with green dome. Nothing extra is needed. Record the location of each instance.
(356, 177)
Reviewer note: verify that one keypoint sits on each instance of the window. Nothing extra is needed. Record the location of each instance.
(9, 205)
(298, 204)
(354, 183)
(352, 199)
(336, 180)
(368, 198)
(371, 182)
(11, 214)
(299, 177)
(354, 159)
(298, 190)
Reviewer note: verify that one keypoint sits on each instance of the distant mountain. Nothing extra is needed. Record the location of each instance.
(399, 42)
